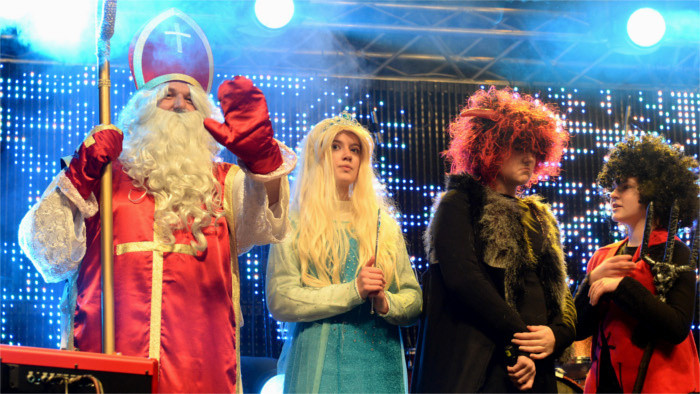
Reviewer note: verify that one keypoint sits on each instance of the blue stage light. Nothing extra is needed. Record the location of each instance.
(646, 27)
(60, 29)
(274, 385)
(274, 14)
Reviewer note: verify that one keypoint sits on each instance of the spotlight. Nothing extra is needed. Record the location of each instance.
(61, 29)
(274, 14)
(274, 385)
(646, 27)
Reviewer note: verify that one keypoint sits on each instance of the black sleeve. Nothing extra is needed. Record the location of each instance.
(564, 326)
(588, 315)
(466, 279)
(670, 320)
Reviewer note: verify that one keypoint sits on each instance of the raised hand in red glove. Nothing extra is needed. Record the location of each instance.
(247, 130)
(103, 145)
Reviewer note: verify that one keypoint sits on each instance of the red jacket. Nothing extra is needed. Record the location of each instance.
(672, 368)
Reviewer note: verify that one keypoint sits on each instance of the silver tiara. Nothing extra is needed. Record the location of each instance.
(344, 119)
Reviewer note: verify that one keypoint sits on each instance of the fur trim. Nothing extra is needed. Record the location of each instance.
(497, 220)
(476, 194)
(87, 207)
(552, 265)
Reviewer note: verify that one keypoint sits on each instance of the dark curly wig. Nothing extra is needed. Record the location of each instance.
(663, 174)
(481, 143)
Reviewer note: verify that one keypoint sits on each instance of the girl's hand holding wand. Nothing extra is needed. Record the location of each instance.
(370, 283)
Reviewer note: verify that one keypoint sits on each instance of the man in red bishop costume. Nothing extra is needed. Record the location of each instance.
(181, 217)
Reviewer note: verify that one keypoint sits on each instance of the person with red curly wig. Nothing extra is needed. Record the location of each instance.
(497, 310)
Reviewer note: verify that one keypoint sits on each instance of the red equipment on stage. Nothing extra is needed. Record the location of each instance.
(30, 369)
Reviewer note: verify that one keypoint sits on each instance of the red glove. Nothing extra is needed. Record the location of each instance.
(247, 131)
(103, 145)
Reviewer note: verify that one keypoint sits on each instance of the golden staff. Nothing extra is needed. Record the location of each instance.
(109, 11)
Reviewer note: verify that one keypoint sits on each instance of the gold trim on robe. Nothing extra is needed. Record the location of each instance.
(158, 247)
(235, 274)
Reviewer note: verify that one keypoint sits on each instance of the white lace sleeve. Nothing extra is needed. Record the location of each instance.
(52, 234)
(257, 223)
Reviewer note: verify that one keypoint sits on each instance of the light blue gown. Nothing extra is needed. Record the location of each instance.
(336, 344)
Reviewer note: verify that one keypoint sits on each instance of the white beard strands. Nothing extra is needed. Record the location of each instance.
(171, 156)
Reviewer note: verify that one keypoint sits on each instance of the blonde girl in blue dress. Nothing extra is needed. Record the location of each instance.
(325, 279)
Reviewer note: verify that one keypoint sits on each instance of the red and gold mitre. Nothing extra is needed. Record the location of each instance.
(171, 47)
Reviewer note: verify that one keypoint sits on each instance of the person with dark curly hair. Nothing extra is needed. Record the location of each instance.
(497, 310)
(634, 305)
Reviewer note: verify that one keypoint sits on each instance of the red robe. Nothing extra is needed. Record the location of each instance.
(672, 368)
(196, 344)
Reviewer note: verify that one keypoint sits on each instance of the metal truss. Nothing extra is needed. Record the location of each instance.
(560, 43)
(566, 43)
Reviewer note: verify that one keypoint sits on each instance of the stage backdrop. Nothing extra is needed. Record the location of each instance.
(45, 113)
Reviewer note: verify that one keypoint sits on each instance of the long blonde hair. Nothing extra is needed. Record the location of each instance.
(320, 240)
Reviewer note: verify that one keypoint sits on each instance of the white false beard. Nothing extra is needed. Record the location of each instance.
(171, 156)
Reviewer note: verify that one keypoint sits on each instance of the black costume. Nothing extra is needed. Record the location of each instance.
(496, 267)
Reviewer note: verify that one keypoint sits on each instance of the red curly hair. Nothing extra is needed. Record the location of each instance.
(496, 123)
